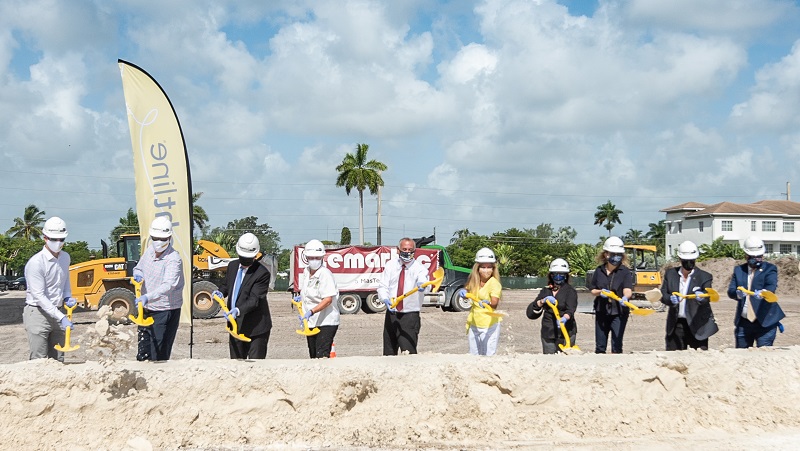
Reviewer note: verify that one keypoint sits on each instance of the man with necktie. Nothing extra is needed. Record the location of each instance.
(402, 323)
(245, 286)
(756, 319)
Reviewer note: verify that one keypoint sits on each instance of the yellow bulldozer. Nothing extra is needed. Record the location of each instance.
(106, 281)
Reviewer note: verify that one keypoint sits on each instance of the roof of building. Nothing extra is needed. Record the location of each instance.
(762, 207)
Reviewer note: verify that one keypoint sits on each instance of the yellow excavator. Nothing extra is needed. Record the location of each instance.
(106, 281)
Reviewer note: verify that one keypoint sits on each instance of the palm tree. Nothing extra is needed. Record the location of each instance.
(128, 224)
(633, 236)
(460, 235)
(503, 253)
(30, 225)
(356, 172)
(657, 233)
(199, 215)
(609, 214)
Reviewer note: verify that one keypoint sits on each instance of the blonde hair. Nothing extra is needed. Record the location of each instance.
(603, 255)
(474, 279)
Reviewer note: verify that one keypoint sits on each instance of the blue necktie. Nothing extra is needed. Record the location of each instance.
(236, 286)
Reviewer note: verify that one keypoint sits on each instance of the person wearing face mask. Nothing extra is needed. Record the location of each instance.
(560, 293)
(47, 277)
(160, 270)
(483, 331)
(611, 316)
(245, 286)
(756, 319)
(690, 321)
(402, 324)
(320, 299)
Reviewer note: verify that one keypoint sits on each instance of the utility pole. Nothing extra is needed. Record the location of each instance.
(788, 191)
(379, 215)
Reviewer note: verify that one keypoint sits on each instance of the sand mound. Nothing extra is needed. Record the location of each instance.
(425, 401)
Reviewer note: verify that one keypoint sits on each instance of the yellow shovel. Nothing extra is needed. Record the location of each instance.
(489, 310)
(139, 320)
(305, 330)
(438, 276)
(634, 309)
(234, 329)
(67, 346)
(711, 294)
(563, 328)
(766, 294)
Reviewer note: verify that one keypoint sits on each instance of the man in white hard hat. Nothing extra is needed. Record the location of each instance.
(690, 321)
(756, 320)
(161, 270)
(402, 324)
(245, 286)
(47, 277)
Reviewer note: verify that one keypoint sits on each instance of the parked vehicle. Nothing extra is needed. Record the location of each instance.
(18, 284)
(3, 283)
(357, 270)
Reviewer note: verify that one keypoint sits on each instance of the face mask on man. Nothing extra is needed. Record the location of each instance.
(754, 262)
(615, 260)
(55, 246)
(406, 257)
(246, 261)
(315, 264)
(160, 246)
(687, 264)
(559, 279)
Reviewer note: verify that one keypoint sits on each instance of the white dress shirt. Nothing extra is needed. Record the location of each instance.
(47, 278)
(415, 273)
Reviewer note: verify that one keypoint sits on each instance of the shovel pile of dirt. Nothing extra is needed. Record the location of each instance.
(684, 399)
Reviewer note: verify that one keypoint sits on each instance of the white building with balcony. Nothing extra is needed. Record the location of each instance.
(777, 222)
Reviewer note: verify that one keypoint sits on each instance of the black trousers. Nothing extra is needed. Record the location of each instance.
(400, 331)
(256, 348)
(155, 340)
(319, 345)
(682, 338)
(605, 324)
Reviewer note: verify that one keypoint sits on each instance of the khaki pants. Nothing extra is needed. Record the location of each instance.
(44, 332)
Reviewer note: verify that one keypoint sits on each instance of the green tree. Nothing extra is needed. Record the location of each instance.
(463, 253)
(267, 236)
(79, 252)
(29, 226)
(223, 238)
(633, 236)
(719, 249)
(657, 234)
(581, 259)
(127, 224)
(460, 235)
(346, 236)
(608, 214)
(356, 172)
(503, 253)
(199, 215)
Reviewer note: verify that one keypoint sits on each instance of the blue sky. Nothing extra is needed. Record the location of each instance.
(489, 114)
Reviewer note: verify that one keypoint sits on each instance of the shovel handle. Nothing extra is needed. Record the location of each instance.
(234, 329)
(67, 346)
(611, 294)
(410, 292)
(305, 330)
(766, 294)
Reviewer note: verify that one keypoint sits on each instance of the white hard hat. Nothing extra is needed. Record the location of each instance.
(614, 245)
(314, 248)
(688, 251)
(247, 246)
(161, 227)
(55, 227)
(485, 255)
(753, 246)
(559, 265)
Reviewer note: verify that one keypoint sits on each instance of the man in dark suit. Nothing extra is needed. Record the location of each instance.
(246, 284)
(690, 321)
(755, 319)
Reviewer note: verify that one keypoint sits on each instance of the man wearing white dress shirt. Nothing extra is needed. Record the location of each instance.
(402, 323)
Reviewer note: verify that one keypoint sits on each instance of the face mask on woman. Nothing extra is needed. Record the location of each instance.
(315, 264)
(615, 260)
(486, 272)
(160, 246)
(559, 279)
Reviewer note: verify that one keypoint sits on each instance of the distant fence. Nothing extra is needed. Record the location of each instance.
(535, 283)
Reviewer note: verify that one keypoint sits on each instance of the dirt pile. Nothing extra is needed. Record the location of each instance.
(646, 400)
(722, 270)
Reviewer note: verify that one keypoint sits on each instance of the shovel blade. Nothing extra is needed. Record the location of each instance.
(438, 277)
(642, 312)
(67, 348)
(567, 348)
(239, 337)
(308, 332)
(769, 296)
(144, 322)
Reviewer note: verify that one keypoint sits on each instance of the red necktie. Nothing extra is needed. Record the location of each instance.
(400, 285)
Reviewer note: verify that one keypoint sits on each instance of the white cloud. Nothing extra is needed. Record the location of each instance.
(712, 15)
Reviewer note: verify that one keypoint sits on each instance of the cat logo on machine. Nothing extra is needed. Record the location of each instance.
(114, 267)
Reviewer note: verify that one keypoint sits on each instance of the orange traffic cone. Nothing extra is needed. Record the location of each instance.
(333, 350)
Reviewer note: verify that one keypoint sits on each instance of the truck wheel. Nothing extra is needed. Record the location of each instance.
(203, 305)
(374, 304)
(120, 300)
(349, 304)
(458, 304)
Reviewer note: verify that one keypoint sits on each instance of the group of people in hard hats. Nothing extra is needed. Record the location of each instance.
(690, 320)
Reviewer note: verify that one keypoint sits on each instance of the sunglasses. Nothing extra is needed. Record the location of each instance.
(159, 239)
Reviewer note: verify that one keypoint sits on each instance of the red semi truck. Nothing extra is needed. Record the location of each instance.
(357, 270)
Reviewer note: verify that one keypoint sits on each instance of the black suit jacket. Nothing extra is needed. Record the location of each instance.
(698, 313)
(567, 299)
(254, 317)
